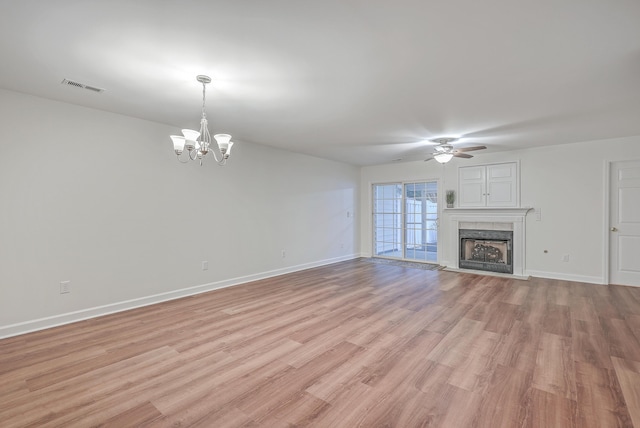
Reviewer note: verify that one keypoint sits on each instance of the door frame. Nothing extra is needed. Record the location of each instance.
(606, 215)
(441, 204)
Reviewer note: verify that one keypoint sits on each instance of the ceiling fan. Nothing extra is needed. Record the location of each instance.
(444, 151)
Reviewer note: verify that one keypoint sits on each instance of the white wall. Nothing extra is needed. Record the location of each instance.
(99, 199)
(567, 182)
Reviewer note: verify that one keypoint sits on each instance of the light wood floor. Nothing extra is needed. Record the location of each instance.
(347, 345)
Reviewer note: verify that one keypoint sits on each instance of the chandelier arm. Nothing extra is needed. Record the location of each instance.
(181, 161)
(213, 153)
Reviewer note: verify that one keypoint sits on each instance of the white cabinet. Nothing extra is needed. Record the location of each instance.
(494, 185)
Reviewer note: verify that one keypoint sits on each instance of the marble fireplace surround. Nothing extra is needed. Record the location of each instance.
(511, 219)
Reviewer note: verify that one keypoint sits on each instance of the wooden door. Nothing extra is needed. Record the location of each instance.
(624, 234)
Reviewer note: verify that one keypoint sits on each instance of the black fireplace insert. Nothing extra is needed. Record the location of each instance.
(488, 250)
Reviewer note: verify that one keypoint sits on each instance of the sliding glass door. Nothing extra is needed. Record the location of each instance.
(405, 221)
(421, 221)
(387, 220)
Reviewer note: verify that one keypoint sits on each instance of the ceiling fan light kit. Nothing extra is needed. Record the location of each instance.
(444, 151)
(198, 143)
(443, 157)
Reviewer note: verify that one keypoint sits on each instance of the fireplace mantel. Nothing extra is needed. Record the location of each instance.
(488, 211)
(515, 216)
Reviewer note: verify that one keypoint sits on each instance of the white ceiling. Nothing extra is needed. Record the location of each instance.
(363, 81)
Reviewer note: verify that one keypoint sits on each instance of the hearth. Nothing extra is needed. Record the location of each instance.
(488, 250)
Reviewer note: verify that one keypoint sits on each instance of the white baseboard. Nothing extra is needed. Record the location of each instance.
(83, 314)
(568, 277)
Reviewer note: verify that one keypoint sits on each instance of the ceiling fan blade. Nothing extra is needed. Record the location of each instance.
(428, 159)
(462, 155)
(470, 149)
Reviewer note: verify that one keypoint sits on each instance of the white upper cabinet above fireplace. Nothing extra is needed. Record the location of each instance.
(494, 186)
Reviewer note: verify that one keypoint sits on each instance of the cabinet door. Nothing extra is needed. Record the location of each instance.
(502, 185)
(472, 186)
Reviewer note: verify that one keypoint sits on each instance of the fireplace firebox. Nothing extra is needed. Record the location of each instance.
(487, 250)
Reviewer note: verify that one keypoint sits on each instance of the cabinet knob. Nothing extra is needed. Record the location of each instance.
(614, 229)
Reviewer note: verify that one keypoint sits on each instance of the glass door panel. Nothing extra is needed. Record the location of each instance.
(387, 220)
(421, 221)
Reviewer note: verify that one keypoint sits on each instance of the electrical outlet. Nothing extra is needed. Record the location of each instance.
(284, 254)
(205, 265)
(565, 258)
(538, 212)
(65, 287)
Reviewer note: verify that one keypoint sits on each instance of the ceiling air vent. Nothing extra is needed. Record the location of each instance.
(82, 86)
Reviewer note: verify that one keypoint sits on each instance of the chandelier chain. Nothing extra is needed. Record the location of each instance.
(204, 95)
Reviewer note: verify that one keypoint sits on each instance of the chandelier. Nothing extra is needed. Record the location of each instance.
(198, 144)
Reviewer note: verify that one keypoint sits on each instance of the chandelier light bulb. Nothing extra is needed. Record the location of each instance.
(178, 144)
(223, 141)
(190, 134)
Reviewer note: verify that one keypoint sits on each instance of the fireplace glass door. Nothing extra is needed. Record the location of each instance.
(489, 250)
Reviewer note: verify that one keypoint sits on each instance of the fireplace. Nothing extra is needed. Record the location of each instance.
(492, 220)
(488, 250)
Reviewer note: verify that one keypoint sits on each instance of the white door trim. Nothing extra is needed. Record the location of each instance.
(607, 268)
(606, 215)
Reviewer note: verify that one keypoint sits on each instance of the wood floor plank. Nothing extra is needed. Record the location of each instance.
(448, 319)
(588, 346)
(349, 406)
(622, 341)
(600, 401)
(555, 368)
(62, 402)
(506, 399)
(474, 372)
(344, 345)
(431, 376)
(456, 346)
(633, 321)
(562, 293)
(557, 320)
(501, 318)
(625, 300)
(331, 382)
(549, 410)
(301, 410)
(519, 349)
(132, 417)
(447, 407)
(517, 295)
(628, 374)
(404, 407)
(581, 308)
